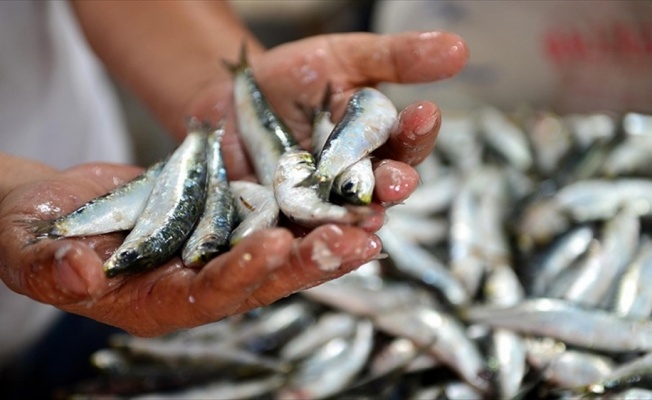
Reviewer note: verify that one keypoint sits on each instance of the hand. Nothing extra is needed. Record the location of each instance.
(270, 264)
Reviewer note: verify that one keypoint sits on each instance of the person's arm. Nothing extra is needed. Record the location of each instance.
(165, 51)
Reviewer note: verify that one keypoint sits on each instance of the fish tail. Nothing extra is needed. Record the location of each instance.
(41, 229)
(242, 64)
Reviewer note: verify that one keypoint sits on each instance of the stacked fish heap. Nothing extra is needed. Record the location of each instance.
(519, 268)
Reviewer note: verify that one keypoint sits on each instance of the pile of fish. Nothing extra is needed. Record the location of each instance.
(520, 268)
(185, 205)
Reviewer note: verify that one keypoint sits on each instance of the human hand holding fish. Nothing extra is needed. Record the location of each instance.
(266, 266)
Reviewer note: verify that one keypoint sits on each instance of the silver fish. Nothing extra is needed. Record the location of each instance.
(356, 183)
(211, 235)
(303, 204)
(567, 368)
(365, 126)
(633, 296)
(560, 255)
(443, 335)
(620, 239)
(327, 327)
(568, 322)
(415, 261)
(263, 132)
(114, 211)
(241, 390)
(171, 212)
(256, 208)
(330, 369)
(505, 137)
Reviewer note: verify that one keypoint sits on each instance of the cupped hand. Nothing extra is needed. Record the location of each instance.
(270, 264)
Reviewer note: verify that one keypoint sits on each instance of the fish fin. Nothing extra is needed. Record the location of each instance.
(323, 185)
(42, 229)
(242, 64)
(193, 124)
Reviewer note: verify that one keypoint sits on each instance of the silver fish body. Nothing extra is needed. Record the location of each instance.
(264, 133)
(365, 126)
(171, 212)
(256, 208)
(303, 204)
(633, 296)
(444, 337)
(333, 367)
(211, 235)
(567, 322)
(356, 183)
(112, 212)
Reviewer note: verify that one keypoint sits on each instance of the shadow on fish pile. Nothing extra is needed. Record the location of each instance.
(520, 268)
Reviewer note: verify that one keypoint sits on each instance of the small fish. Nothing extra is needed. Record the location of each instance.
(211, 235)
(171, 212)
(365, 126)
(112, 212)
(303, 204)
(445, 337)
(356, 183)
(633, 296)
(241, 390)
(256, 208)
(331, 368)
(568, 322)
(567, 368)
(327, 327)
(420, 264)
(506, 138)
(264, 133)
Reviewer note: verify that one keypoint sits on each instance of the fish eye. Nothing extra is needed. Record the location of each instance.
(348, 188)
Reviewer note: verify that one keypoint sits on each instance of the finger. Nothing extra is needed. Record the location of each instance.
(328, 252)
(414, 134)
(409, 57)
(67, 272)
(395, 181)
(176, 297)
(106, 175)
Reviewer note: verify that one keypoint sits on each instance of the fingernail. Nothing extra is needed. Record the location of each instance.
(67, 278)
(426, 127)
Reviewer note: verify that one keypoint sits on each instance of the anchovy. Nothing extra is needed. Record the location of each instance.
(246, 389)
(303, 204)
(505, 137)
(327, 327)
(356, 183)
(256, 208)
(171, 212)
(633, 296)
(560, 255)
(415, 261)
(445, 337)
(211, 235)
(112, 212)
(568, 322)
(620, 239)
(365, 126)
(332, 368)
(263, 132)
(567, 368)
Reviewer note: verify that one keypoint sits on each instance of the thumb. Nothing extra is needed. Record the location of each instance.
(408, 57)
